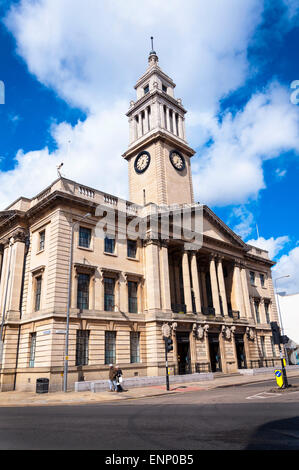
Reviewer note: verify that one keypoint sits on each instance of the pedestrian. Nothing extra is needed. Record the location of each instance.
(112, 378)
(119, 379)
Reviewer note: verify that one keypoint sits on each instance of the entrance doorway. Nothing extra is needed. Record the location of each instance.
(215, 356)
(240, 349)
(183, 351)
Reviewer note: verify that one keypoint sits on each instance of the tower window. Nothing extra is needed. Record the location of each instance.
(146, 89)
(164, 88)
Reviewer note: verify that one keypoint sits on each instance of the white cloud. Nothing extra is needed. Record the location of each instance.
(272, 245)
(246, 220)
(230, 171)
(89, 159)
(91, 53)
(288, 265)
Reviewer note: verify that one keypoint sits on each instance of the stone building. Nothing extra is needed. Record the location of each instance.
(217, 298)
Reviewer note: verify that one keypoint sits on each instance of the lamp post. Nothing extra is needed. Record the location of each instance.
(69, 304)
(279, 312)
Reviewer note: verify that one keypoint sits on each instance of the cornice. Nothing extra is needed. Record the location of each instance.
(151, 96)
(163, 137)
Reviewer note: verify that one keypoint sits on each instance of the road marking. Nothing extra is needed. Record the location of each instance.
(262, 396)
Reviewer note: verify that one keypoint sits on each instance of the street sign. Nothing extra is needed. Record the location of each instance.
(279, 378)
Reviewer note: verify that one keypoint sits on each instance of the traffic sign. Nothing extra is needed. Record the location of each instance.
(279, 378)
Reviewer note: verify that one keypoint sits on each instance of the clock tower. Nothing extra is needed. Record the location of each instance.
(158, 155)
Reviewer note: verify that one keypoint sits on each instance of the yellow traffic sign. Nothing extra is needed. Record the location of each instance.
(279, 378)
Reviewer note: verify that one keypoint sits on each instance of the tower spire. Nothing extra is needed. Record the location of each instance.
(153, 58)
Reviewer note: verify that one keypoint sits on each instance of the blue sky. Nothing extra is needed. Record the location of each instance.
(69, 69)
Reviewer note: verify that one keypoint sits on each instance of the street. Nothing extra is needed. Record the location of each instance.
(237, 418)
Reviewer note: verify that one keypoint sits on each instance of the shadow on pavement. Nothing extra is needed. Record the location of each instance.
(276, 435)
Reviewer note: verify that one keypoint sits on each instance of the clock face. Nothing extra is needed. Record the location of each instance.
(142, 162)
(177, 160)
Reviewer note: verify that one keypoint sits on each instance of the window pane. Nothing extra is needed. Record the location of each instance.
(83, 291)
(32, 349)
(38, 293)
(42, 236)
(109, 245)
(252, 277)
(82, 347)
(132, 293)
(109, 284)
(262, 277)
(110, 350)
(257, 313)
(84, 237)
(132, 248)
(134, 346)
(267, 312)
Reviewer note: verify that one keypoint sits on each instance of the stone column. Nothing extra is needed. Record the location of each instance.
(214, 286)
(181, 133)
(167, 119)
(165, 283)
(16, 271)
(174, 123)
(146, 117)
(152, 275)
(187, 283)
(195, 282)
(123, 298)
(139, 126)
(162, 120)
(245, 292)
(237, 299)
(222, 286)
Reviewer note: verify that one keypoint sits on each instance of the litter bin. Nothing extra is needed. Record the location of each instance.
(42, 385)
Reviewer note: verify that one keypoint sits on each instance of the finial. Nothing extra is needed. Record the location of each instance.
(153, 58)
(152, 41)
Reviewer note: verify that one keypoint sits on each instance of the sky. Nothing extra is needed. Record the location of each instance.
(69, 69)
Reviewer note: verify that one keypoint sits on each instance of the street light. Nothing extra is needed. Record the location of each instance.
(69, 304)
(280, 319)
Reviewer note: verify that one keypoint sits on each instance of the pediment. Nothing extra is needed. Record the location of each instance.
(215, 228)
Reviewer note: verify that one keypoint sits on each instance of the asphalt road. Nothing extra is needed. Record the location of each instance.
(236, 418)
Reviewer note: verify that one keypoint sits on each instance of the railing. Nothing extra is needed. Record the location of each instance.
(192, 368)
(179, 308)
(258, 363)
(86, 191)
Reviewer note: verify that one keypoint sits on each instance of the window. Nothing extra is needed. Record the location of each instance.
(263, 346)
(134, 346)
(82, 347)
(84, 237)
(83, 291)
(262, 278)
(32, 349)
(164, 88)
(252, 278)
(267, 312)
(110, 350)
(132, 292)
(146, 89)
(109, 245)
(38, 291)
(42, 236)
(109, 285)
(257, 313)
(131, 248)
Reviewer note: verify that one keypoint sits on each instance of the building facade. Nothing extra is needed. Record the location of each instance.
(217, 299)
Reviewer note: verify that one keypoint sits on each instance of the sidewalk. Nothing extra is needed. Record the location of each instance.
(11, 399)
